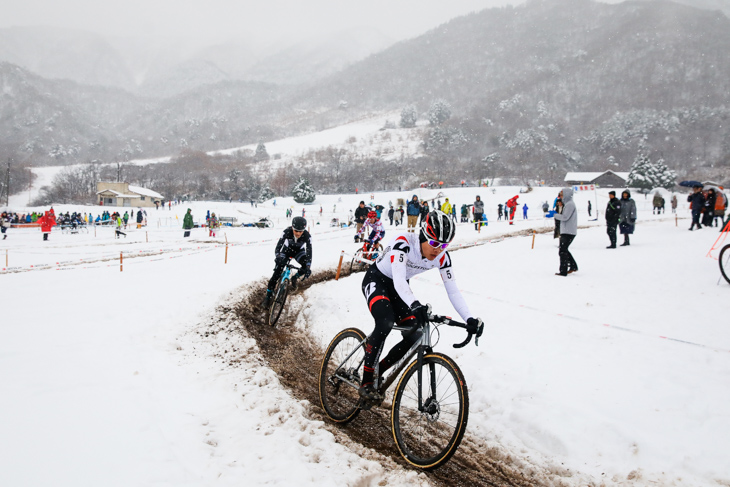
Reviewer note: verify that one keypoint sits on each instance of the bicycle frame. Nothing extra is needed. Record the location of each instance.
(421, 347)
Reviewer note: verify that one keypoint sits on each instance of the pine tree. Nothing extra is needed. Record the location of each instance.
(664, 177)
(439, 112)
(261, 154)
(303, 191)
(265, 193)
(408, 117)
(640, 175)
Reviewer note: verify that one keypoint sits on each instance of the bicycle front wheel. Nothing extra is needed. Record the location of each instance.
(355, 264)
(340, 375)
(427, 438)
(277, 306)
(725, 262)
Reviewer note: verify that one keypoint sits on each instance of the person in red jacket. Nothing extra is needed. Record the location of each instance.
(47, 221)
(512, 205)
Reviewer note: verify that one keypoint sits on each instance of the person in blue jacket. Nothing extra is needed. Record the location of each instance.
(524, 211)
(413, 211)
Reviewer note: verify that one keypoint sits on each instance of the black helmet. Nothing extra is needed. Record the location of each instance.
(438, 226)
(299, 223)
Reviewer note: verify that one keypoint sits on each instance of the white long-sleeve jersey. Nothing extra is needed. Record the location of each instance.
(402, 259)
(376, 227)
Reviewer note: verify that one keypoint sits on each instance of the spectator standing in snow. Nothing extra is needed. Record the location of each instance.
(361, 213)
(524, 211)
(118, 231)
(696, 202)
(212, 224)
(140, 217)
(47, 221)
(391, 213)
(589, 208)
(674, 203)
(568, 230)
(4, 224)
(499, 211)
(424, 211)
(512, 205)
(446, 207)
(628, 216)
(478, 212)
(558, 209)
(413, 210)
(709, 211)
(656, 204)
(613, 214)
(187, 223)
(399, 216)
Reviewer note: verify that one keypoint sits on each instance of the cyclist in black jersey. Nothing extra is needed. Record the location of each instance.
(295, 242)
(391, 300)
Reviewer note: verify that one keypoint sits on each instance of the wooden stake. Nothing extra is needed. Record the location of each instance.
(533, 238)
(676, 220)
(226, 236)
(146, 237)
(121, 262)
(339, 266)
(6, 258)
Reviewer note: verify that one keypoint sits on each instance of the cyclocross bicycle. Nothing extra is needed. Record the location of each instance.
(430, 405)
(363, 257)
(280, 293)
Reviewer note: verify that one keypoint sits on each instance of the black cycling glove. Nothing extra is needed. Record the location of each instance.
(475, 325)
(421, 312)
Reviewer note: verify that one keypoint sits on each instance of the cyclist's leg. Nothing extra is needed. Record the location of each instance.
(409, 338)
(277, 271)
(301, 259)
(378, 298)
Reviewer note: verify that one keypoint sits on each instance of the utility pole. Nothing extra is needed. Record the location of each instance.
(119, 172)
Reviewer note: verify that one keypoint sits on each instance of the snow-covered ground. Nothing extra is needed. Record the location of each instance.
(616, 372)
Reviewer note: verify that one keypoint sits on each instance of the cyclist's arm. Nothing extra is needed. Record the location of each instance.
(280, 244)
(379, 231)
(309, 250)
(457, 300)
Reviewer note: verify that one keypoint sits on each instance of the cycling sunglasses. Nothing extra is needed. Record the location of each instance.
(435, 244)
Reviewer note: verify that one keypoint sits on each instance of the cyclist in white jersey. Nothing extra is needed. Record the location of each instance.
(376, 228)
(391, 300)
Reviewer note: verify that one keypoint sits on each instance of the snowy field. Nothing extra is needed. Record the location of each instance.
(615, 373)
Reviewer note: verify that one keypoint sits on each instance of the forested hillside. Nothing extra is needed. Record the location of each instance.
(532, 91)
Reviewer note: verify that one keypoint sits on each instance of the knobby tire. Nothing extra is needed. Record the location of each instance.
(277, 306)
(427, 440)
(725, 262)
(340, 400)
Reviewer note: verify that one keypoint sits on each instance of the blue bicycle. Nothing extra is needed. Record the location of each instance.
(280, 293)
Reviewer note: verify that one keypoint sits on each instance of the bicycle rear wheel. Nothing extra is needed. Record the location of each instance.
(277, 305)
(427, 439)
(340, 376)
(725, 262)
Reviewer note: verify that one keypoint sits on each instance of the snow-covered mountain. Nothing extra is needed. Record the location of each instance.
(54, 52)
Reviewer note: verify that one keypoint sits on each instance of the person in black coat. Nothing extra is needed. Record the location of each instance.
(709, 213)
(613, 212)
(697, 202)
(424, 211)
(361, 214)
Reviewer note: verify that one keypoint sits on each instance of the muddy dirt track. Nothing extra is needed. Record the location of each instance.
(296, 357)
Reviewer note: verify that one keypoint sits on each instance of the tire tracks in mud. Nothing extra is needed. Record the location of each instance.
(296, 357)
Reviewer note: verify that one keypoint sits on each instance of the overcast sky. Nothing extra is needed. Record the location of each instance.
(213, 21)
